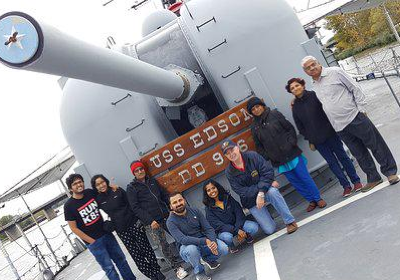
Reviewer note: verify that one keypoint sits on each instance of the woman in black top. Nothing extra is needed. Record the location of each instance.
(116, 205)
(276, 139)
(313, 124)
(226, 216)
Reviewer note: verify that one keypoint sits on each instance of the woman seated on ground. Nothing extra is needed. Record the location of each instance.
(132, 234)
(226, 216)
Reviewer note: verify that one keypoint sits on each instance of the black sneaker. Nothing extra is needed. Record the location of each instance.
(249, 239)
(211, 264)
(233, 249)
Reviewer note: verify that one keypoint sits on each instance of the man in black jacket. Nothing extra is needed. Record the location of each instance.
(313, 124)
(149, 201)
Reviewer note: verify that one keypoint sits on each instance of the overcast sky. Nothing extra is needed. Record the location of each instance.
(29, 117)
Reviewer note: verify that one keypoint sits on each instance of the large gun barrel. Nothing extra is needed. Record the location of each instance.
(38, 47)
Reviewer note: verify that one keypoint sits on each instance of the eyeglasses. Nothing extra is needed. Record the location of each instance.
(311, 66)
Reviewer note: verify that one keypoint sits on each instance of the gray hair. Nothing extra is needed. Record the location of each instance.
(308, 58)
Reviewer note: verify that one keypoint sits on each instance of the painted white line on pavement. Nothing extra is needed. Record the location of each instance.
(264, 257)
(265, 261)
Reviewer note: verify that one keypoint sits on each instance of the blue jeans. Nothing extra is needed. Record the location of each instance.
(332, 151)
(249, 227)
(263, 217)
(192, 254)
(105, 249)
(303, 183)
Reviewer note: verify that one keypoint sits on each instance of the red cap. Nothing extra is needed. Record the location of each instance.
(135, 165)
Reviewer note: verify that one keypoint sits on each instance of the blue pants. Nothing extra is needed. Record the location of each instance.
(263, 217)
(303, 183)
(192, 254)
(332, 151)
(249, 227)
(105, 249)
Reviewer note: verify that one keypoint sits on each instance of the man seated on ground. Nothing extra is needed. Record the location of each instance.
(197, 239)
(252, 178)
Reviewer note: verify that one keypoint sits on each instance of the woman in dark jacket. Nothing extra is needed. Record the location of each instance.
(226, 216)
(116, 205)
(313, 124)
(276, 139)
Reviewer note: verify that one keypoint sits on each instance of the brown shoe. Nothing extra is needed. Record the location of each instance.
(311, 206)
(370, 186)
(357, 187)
(393, 179)
(292, 227)
(321, 203)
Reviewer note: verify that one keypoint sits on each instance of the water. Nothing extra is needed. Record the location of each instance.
(25, 264)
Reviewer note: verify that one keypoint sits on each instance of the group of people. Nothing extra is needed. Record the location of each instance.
(332, 113)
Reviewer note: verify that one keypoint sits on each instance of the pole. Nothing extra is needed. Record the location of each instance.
(357, 67)
(65, 188)
(391, 23)
(45, 238)
(386, 80)
(10, 263)
(43, 262)
(69, 241)
(395, 62)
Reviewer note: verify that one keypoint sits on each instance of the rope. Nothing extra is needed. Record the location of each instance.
(29, 270)
(58, 234)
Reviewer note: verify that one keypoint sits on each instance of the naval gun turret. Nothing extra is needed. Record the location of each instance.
(174, 95)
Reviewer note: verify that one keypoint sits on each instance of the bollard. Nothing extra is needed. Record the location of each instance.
(47, 274)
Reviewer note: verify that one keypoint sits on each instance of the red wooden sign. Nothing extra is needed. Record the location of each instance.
(197, 140)
(203, 167)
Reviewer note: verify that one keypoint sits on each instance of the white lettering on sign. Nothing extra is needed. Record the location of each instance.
(156, 161)
(197, 141)
(167, 156)
(199, 169)
(179, 150)
(213, 134)
(242, 145)
(218, 158)
(223, 126)
(185, 178)
(234, 119)
(246, 114)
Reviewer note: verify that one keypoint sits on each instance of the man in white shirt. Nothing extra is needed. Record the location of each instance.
(344, 103)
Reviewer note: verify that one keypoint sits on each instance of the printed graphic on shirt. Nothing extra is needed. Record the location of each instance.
(89, 212)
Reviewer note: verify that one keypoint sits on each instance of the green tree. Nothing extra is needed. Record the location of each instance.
(358, 31)
(6, 219)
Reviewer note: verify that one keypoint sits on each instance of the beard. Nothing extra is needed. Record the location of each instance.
(180, 209)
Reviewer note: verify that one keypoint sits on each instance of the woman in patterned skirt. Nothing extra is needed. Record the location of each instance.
(125, 223)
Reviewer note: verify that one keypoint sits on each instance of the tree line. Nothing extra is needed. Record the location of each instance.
(359, 31)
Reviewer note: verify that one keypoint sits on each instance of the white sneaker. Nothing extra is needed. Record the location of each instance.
(202, 276)
(181, 273)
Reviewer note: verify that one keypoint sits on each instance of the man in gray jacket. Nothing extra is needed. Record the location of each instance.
(198, 242)
(344, 104)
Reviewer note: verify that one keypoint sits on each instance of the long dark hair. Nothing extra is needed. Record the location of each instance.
(208, 201)
(95, 177)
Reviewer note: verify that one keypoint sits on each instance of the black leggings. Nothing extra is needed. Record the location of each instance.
(135, 240)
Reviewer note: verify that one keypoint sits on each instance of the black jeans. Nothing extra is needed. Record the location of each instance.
(361, 135)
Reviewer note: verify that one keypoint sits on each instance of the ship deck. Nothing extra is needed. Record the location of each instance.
(353, 238)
